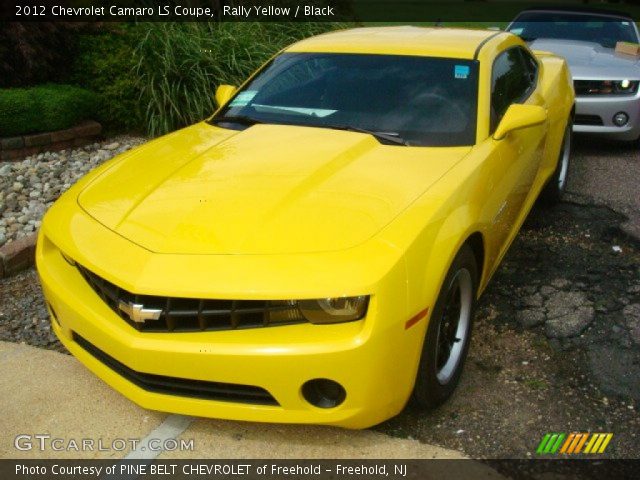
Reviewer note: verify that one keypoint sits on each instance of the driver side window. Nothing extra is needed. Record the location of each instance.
(513, 79)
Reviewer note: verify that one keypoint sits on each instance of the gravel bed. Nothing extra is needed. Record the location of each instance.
(29, 187)
(23, 315)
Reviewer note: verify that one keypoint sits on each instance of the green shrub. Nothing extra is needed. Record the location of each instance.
(158, 77)
(179, 65)
(44, 108)
(104, 64)
(32, 53)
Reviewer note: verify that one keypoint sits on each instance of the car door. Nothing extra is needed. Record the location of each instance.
(517, 157)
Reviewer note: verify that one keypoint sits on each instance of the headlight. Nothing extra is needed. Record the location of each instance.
(606, 87)
(625, 86)
(284, 311)
(334, 310)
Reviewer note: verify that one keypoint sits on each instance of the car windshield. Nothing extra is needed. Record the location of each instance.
(402, 100)
(605, 30)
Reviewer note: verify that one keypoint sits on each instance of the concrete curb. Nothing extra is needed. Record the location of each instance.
(17, 255)
(47, 392)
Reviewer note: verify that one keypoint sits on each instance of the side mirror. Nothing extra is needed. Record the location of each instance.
(518, 117)
(224, 94)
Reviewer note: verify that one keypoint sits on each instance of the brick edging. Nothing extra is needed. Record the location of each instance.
(16, 148)
(17, 255)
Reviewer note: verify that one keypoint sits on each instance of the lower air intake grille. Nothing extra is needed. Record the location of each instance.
(587, 120)
(175, 314)
(226, 392)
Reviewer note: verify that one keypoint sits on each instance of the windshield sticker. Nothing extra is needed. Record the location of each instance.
(243, 98)
(517, 30)
(461, 71)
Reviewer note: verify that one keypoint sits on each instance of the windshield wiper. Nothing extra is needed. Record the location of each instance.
(241, 119)
(383, 137)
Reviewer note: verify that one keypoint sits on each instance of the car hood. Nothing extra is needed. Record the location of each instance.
(589, 60)
(269, 189)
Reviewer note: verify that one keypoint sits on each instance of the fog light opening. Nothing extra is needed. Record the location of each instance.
(323, 393)
(620, 119)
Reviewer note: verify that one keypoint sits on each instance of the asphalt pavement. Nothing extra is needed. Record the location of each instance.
(607, 173)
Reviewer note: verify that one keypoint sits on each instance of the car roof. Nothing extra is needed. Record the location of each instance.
(403, 40)
(578, 10)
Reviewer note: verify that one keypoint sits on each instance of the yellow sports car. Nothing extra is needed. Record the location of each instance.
(312, 253)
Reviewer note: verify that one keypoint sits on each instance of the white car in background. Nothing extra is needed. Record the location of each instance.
(606, 82)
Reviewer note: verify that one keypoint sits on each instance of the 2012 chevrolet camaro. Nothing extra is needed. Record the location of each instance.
(313, 252)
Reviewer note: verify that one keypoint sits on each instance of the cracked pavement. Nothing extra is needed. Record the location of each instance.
(607, 173)
(556, 343)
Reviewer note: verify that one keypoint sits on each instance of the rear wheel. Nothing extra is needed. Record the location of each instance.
(555, 188)
(449, 333)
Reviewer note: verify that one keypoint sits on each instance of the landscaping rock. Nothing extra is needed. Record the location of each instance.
(29, 187)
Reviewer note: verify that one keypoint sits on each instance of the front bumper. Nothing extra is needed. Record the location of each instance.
(374, 359)
(594, 114)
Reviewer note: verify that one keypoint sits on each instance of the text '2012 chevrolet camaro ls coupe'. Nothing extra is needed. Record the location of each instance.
(313, 252)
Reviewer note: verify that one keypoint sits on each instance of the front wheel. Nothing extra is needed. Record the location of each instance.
(555, 188)
(448, 334)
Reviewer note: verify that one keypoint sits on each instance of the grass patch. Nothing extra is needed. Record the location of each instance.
(536, 384)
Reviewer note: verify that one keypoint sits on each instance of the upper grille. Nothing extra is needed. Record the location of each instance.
(601, 87)
(192, 314)
(586, 87)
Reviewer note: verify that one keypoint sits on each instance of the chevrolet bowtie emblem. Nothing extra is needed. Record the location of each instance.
(138, 313)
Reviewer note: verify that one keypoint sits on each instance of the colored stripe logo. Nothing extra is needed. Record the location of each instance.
(574, 443)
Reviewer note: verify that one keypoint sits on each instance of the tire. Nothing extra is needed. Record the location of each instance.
(557, 184)
(439, 374)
